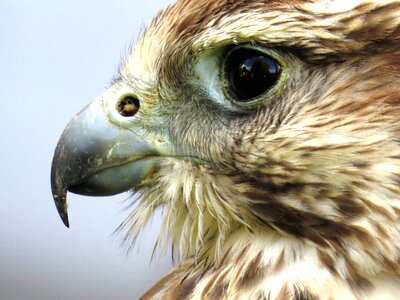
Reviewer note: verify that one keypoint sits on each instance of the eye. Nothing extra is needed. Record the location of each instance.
(250, 73)
(128, 106)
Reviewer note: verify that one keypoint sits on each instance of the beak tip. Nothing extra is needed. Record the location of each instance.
(64, 218)
(61, 204)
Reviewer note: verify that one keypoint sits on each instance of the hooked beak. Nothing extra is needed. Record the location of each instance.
(96, 157)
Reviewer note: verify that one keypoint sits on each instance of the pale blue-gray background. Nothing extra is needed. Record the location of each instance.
(55, 56)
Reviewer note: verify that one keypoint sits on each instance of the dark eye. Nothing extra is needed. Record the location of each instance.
(128, 106)
(251, 73)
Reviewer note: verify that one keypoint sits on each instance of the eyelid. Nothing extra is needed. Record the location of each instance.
(209, 77)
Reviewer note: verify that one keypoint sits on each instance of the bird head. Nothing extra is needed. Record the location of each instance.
(251, 116)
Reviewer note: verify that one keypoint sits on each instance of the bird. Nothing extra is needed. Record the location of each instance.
(268, 134)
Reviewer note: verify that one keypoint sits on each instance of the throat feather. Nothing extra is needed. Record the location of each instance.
(208, 220)
(200, 210)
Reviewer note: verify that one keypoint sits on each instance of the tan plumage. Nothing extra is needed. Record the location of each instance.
(294, 195)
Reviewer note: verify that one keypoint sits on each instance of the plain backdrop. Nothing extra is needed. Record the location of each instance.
(55, 56)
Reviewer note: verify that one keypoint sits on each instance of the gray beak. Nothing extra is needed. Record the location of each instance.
(96, 157)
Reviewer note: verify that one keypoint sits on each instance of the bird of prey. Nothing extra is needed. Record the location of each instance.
(268, 132)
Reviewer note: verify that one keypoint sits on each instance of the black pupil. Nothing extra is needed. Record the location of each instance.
(251, 73)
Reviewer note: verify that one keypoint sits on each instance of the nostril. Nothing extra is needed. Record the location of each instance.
(128, 106)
